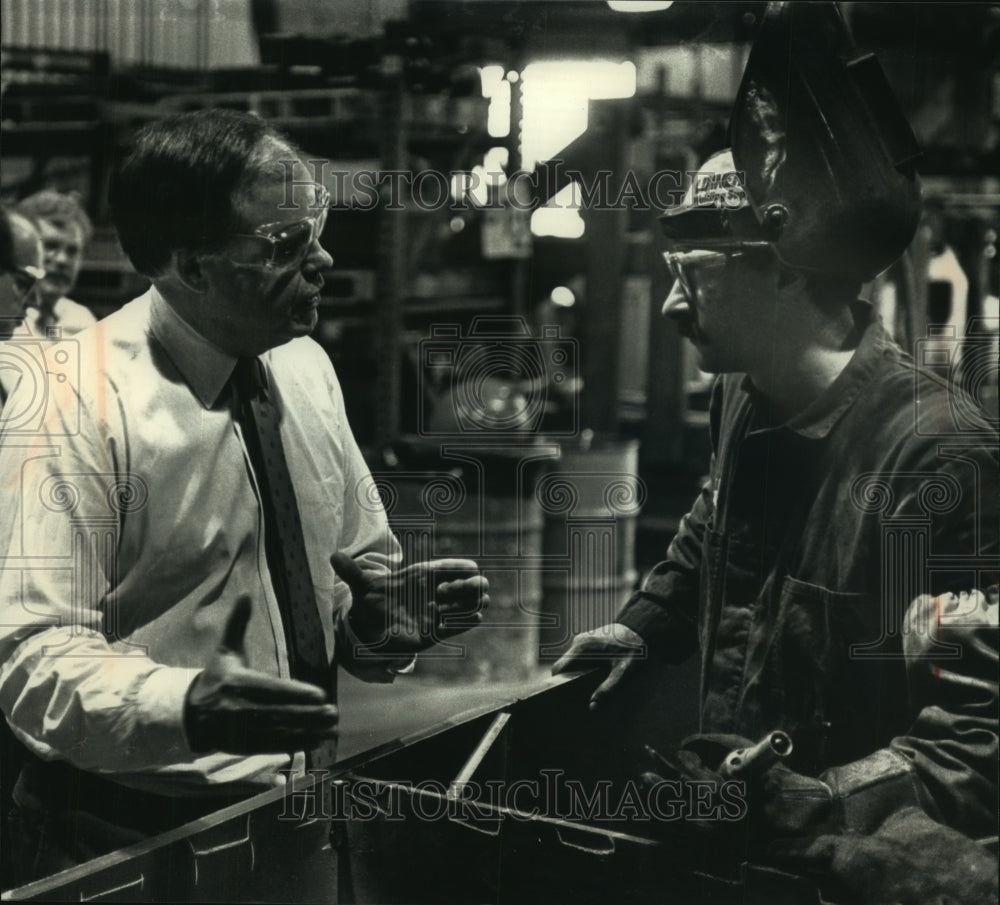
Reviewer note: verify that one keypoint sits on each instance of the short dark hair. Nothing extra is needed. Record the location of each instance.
(178, 186)
(58, 208)
(6, 241)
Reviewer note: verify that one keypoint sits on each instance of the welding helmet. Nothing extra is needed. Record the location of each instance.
(821, 149)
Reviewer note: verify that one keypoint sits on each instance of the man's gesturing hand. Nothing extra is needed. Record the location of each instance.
(614, 643)
(402, 613)
(232, 708)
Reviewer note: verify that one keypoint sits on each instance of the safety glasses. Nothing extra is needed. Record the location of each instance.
(288, 243)
(683, 265)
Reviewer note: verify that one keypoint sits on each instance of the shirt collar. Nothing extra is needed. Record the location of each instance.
(204, 366)
(818, 418)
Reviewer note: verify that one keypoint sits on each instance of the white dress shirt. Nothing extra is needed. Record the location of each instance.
(68, 316)
(131, 524)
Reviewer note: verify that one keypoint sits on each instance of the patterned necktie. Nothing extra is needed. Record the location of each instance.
(283, 539)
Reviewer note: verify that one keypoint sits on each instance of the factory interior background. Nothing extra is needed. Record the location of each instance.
(493, 312)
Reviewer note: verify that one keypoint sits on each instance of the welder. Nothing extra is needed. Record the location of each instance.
(837, 573)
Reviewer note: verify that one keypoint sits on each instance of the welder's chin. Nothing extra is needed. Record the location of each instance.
(684, 321)
(713, 359)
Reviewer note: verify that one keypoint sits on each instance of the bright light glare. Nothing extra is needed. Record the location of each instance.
(563, 297)
(496, 160)
(491, 76)
(560, 217)
(496, 87)
(555, 101)
(639, 6)
(485, 178)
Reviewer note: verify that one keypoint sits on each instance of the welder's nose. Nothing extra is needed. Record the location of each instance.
(677, 303)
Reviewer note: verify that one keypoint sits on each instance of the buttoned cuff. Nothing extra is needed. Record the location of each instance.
(666, 635)
(367, 664)
(159, 702)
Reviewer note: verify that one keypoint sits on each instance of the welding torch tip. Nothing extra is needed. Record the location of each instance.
(781, 743)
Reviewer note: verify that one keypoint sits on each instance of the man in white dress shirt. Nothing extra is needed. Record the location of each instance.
(195, 519)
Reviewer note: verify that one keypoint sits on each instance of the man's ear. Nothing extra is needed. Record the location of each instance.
(188, 266)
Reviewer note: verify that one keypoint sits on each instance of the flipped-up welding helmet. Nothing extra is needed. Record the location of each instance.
(821, 150)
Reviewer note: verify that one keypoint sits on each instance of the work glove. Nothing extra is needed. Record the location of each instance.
(909, 860)
(615, 645)
(771, 801)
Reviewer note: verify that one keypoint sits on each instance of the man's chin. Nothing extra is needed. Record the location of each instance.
(53, 290)
(303, 319)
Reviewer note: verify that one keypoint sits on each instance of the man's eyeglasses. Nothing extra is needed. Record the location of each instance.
(26, 278)
(683, 264)
(288, 243)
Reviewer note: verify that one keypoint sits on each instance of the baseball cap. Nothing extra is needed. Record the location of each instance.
(716, 208)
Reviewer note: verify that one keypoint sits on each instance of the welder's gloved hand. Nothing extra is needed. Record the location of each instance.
(778, 801)
(909, 860)
(614, 644)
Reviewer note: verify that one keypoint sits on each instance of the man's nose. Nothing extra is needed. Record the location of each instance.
(318, 258)
(677, 301)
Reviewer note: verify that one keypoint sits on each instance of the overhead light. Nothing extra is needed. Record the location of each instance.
(560, 215)
(555, 101)
(639, 6)
(562, 297)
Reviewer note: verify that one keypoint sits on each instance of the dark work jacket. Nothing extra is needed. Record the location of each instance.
(814, 571)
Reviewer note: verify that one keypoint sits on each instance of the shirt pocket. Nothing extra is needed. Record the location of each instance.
(825, 694)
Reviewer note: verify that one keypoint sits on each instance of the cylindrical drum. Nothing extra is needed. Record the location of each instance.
(438, 516)
(591, 498)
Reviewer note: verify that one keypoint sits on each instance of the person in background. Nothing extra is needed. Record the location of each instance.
(20, 269)
(190, 660)
(20, 272)
(65, 229)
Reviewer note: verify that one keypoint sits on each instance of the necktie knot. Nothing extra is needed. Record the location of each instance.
(249, 378)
